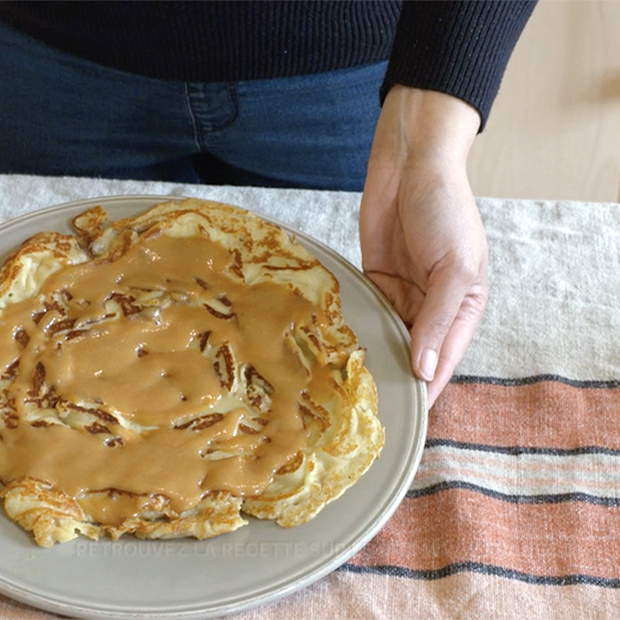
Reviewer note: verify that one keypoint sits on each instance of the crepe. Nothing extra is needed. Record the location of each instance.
(173, 374)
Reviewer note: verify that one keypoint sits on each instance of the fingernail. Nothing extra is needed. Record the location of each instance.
(428, 364)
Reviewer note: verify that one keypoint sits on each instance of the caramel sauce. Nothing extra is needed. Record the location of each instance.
(150, 344)
(113, 508)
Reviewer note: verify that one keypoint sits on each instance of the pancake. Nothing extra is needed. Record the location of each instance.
(175, 374)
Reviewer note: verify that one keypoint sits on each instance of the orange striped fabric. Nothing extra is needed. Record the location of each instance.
(519, 479)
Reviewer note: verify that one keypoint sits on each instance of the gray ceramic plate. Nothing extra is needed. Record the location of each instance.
(260, 562)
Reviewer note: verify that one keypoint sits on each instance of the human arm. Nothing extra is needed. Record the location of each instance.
(422, 239)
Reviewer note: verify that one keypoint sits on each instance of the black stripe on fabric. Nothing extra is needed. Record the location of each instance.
(585, 498)
(519, 450)
(485, 569)
(522, 381)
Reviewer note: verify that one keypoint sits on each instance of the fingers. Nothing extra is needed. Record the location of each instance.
(442, 322)
(453, 349)
(445, 326)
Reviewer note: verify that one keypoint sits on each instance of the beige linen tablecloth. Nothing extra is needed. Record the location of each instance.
(515, 509)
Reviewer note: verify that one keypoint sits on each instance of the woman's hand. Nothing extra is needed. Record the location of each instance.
(422, 240)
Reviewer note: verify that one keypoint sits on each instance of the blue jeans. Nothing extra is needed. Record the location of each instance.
(60, 115)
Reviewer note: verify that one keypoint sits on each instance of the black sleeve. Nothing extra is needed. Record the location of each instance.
(457, 47)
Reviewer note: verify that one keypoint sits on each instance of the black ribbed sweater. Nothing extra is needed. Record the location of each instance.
(457, 47)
